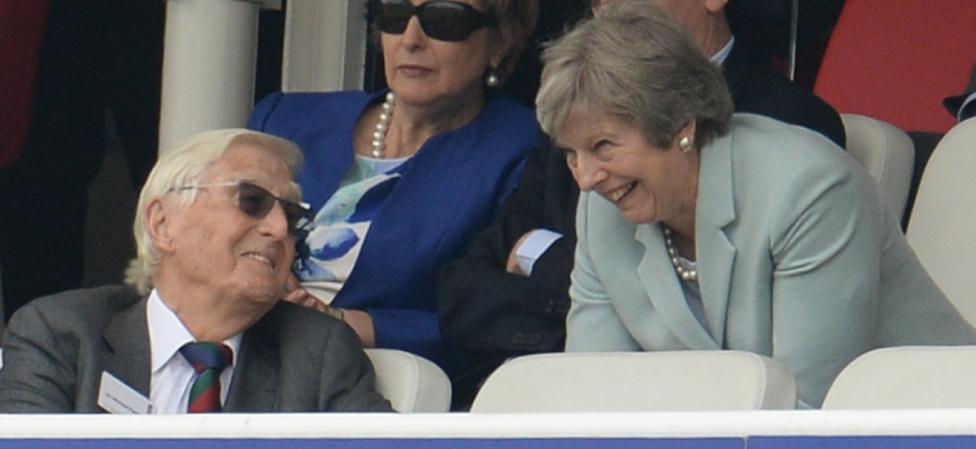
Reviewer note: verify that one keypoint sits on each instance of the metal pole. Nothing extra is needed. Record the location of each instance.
(325, 45)
(209, 60)
(794, 26)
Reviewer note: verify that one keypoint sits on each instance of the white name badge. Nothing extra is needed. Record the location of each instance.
(118, 398)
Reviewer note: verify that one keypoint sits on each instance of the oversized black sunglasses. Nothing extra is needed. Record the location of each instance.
(256, 202)
(443, 20)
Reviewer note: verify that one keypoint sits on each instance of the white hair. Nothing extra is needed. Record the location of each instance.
(182, 166)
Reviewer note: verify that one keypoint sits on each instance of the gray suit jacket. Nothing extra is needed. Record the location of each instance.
(291, 360)
(797, 260)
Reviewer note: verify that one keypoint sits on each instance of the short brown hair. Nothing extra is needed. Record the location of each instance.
(516, 22)
(635, 62)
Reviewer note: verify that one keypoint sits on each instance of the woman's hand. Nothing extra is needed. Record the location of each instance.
(295, 294)
(362, 323)
(512, 266)
(358, 320)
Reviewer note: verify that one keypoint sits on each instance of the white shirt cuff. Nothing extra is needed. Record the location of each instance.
(533, 246)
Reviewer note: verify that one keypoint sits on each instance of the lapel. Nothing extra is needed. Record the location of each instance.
(664, 291)
(254, 386)
(715, 210)
(327, 160)
(457, 211)
(128, 356)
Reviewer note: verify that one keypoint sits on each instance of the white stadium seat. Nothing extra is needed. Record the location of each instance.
(944, 216)
(412, 383)
(907, 377)
(887, 153)
(637, 381)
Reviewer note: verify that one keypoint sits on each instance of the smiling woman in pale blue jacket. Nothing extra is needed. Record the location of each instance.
(703, 230)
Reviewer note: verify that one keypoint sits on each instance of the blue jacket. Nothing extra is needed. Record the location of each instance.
(448, 190)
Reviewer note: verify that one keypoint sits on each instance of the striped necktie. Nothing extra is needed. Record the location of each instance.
(208, 360)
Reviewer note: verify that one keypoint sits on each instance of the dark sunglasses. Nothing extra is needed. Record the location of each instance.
(443, 20)
(256, 202)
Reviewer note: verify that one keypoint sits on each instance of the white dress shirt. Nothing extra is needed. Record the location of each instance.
(172, 375)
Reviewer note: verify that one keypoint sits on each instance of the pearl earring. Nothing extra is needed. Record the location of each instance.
(492, 80)
(685, 144)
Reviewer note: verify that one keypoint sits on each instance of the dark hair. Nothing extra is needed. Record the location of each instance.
(516, 22)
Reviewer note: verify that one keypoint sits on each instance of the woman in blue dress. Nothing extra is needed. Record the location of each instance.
(401, 179)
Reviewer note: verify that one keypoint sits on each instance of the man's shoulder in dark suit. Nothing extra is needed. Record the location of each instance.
(322, 365)
(52, 349)
(78, 312)
(55, 345)
(757, 89)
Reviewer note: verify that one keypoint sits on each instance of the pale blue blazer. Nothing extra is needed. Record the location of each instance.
(797, 259)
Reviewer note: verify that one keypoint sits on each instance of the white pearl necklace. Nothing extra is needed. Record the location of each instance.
(379, 134)
(683, 273)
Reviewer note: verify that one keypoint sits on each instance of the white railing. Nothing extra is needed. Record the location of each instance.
(501, 426)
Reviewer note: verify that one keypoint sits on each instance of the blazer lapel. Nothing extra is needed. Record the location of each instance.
(716, 254)
(128, 357)
(664, 290)
(255, 382)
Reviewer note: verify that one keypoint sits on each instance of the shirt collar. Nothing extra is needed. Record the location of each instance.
(167, 334)
(723, 54)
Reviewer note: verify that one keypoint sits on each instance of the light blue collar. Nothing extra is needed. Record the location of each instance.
(723, 54)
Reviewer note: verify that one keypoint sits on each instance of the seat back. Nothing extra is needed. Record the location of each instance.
(411, 383)
(944, 215)
(888, 155)
(637, 381)
(896, 61)
(907, 377)
(3, 318)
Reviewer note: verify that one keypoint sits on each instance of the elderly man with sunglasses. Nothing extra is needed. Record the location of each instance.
(200, 327)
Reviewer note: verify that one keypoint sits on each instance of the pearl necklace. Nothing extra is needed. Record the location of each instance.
(683, 273)
(379, 134)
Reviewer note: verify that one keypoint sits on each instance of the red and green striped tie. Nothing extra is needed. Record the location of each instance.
(208, 360)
